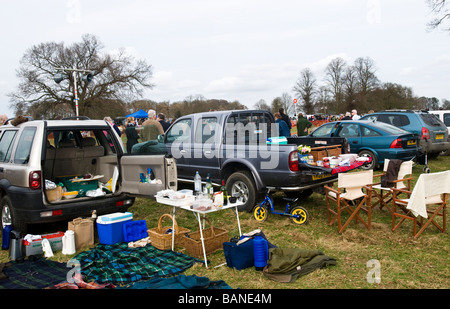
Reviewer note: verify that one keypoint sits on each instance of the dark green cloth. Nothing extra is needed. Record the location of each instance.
(120, 264)
(302, 124)
(287, 264)
(178, 282)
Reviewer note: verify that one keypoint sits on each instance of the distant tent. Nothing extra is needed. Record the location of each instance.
(139, 114)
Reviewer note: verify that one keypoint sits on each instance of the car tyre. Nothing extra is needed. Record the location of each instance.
(9, 215)
(372, 165)
(242, 182)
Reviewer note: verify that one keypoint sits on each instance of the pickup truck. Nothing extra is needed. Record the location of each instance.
(231, 146)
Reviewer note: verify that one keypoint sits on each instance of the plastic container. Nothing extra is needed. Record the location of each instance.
(6, 236)
(110, 227)
(260, 252)
(197, 182)
(134, 230)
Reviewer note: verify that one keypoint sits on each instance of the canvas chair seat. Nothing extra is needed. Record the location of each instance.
(349, 198)
(427, 201)
(382, 195)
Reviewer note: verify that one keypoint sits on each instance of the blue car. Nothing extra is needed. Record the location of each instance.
(377, 140)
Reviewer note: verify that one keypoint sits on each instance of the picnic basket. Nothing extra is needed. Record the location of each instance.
(161, 239)
(213, 238)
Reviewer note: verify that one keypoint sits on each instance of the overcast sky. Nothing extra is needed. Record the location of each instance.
(243, 50)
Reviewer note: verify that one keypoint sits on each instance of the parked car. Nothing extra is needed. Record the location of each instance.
(38, 154)
(433, 132)
(377, 140)
(444, 116)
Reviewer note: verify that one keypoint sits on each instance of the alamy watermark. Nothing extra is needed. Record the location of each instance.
(74, 11)
(374, 273)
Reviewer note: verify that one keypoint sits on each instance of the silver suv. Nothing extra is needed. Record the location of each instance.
(39, 160)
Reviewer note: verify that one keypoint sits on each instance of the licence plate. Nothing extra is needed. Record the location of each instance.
(317, 177)
(409, 143)
(439, 136)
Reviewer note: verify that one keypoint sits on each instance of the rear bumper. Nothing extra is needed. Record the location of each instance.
(430, 147)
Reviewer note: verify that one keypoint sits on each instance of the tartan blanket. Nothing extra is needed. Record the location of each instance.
(33, 274)
(356, 164)
(120, 264)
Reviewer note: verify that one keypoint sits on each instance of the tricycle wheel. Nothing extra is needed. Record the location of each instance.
(299, 215)
(261, 212)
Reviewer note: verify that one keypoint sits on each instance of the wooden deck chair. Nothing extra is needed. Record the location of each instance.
(381, 195)
(427, 201)
(350, 196)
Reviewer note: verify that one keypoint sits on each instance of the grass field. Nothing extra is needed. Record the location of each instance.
(405, 263)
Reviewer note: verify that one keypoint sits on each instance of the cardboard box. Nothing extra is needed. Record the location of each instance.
(35, 246)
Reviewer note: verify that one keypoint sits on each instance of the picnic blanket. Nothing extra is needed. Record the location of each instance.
(179, 282)
(32, 273)
(120, 264)
(352, 166)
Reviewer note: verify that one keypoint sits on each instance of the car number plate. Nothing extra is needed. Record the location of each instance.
(411, 143)
(439, 136)
(322, 176)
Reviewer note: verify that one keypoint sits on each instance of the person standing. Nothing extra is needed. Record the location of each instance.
(162, 120)
(285, 118)
(283, 129)
(303, 125)
(111, 122)
(151, 127)
(131, 133)
(347, 116)
(355, 115)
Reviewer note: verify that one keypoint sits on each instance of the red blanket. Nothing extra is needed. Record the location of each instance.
(356, 164)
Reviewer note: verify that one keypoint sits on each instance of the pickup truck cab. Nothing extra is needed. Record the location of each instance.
(37, 154)
(231, 146)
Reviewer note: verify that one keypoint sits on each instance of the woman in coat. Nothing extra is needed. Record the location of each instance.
(131, 133)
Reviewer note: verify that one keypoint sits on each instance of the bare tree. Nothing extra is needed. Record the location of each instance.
(439, 7)
(335, 78)
(261, 105)
(365, 72)
(305, 87)
(116, 76)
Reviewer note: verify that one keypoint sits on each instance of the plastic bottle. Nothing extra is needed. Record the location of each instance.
(6, 236)
(150, 175)
(260, 252)
(223, 188)
(209, 187)
(197, 182)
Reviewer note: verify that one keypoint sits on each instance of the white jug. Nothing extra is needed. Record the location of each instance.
(68, 242)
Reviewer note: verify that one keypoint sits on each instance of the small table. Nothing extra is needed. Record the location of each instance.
(197, 213)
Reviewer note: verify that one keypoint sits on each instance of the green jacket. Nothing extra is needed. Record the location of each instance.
(302, 125)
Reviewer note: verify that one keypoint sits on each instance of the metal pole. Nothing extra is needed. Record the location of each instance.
(75, 91)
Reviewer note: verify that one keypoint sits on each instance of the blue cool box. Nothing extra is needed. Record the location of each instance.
(110, 227)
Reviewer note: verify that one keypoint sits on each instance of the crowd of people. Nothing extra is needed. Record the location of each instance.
(305, 124)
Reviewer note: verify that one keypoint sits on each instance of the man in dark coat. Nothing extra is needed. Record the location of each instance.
(285, 118)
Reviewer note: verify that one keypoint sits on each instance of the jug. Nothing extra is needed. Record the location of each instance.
(261, 252)
(15, 246)
(68, 242)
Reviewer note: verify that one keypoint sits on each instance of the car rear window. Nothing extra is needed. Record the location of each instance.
(430, 120)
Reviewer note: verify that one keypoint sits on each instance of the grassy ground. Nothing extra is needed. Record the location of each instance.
(405, 263)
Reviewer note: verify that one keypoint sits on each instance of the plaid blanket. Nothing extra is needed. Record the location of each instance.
(33, 274)
(120, 264)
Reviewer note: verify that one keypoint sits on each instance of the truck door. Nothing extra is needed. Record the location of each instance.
(164, 170)
(205, 154)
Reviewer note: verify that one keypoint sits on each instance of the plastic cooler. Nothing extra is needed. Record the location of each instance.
(110, 227)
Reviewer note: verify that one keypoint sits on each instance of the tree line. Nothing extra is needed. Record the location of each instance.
(120, 81)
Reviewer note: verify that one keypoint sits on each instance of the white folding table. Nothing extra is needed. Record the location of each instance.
(176, 204)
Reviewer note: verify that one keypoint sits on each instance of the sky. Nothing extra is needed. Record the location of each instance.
(244, 50)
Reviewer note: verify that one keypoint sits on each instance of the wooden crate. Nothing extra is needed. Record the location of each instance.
(319, 153)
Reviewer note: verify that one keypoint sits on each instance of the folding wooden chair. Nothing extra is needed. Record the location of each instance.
(350, 196)
(427, 201)
(381, 195)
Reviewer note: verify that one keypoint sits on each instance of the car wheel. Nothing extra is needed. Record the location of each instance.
(242, 183)
(9, 216)
(373, 164)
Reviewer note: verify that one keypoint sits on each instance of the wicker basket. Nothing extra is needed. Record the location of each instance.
(162, 240)
(213, 238)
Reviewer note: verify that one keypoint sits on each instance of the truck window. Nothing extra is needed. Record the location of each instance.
(248, 128)
(205, 130)
(180, 131)
(6, 144)
(22, 155)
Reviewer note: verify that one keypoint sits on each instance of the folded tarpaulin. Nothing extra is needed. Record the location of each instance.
(287, 264)
(178, 282)
(120, 264)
